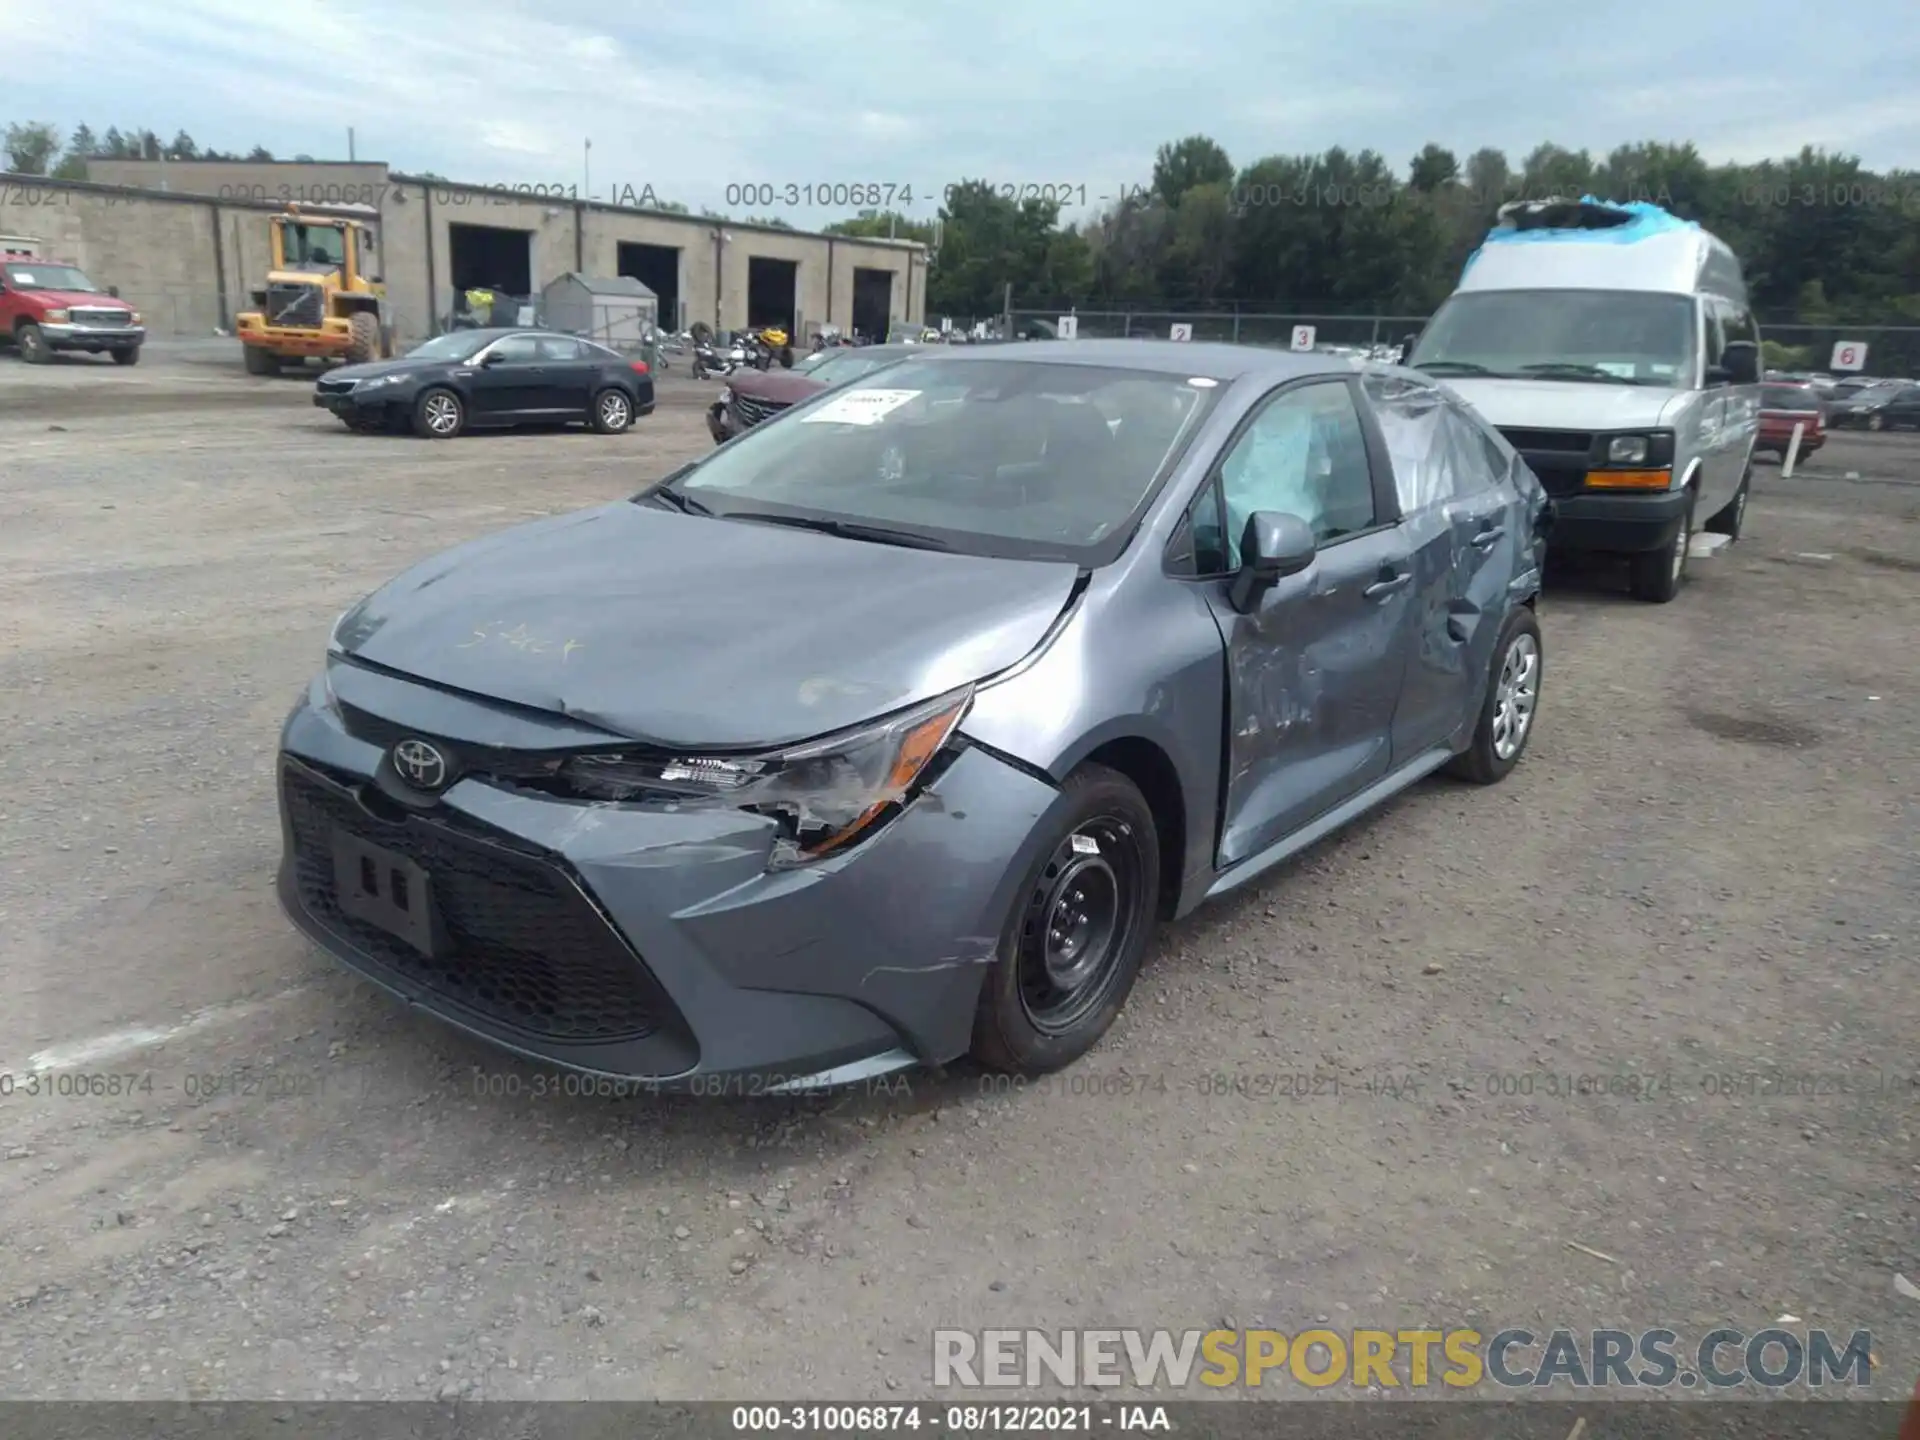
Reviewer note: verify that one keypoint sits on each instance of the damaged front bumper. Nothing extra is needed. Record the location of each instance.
(647, 943)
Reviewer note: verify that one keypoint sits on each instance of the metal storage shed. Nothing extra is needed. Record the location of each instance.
(616, 310)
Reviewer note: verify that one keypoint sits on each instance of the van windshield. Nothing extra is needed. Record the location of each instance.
(1602, 336)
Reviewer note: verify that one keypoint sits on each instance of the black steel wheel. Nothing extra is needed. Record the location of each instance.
(1080, 929)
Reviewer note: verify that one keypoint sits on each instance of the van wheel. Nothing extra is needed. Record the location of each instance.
(1730, 519)
(1659, 574)
(1081, 923)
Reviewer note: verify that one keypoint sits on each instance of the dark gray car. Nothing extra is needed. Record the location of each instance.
(885, 734)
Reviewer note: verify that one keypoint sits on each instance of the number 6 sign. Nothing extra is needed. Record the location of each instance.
(1849, 355)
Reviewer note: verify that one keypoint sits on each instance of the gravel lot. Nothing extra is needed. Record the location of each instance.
(1706, 867)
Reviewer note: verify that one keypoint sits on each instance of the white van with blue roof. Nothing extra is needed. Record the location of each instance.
(1615, 348)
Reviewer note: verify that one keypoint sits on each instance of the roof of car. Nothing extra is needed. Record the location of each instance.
(1169, 357)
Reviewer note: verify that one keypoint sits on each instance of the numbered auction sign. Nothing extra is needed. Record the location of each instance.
(1303, 337)
(1849, 355)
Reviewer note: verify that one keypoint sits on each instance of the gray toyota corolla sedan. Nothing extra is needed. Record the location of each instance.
(885, 733)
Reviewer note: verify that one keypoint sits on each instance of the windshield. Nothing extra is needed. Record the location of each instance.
(1609, 337)
(998, 457)
(313, 247)
(49, 277)
(460, 345)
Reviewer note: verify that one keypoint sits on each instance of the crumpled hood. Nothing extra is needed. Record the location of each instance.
(782, 387)
(685, 630)
(1563, 404)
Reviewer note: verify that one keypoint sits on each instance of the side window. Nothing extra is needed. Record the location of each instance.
(1736, 322)
(1202, 548)
(517, 349)
(1422, 444)
(560, 347)
(1304, 454)
(1716, 337)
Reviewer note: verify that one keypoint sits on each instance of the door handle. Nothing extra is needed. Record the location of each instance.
(1382, 588)
(1489, 537)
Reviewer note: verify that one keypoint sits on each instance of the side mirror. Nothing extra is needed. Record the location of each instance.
(1273, 546)
(1740, 363)
(113, 291)
(492, 357)
(1407, 342)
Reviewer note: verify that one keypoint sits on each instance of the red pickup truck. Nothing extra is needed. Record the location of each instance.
(48, 305)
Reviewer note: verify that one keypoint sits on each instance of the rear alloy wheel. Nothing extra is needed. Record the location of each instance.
(1876, 422)
(1658, 574)
(1080, 928)
(439, 415)
(1511, 702)
(612, 411)
(33, 345)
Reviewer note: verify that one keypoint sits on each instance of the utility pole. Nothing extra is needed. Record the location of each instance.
(586, 171)
(350, 154)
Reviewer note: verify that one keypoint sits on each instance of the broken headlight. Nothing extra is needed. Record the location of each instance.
(825, 794)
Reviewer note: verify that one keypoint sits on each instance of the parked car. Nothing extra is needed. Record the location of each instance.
(48, 306)
(752, 396)
(1616, 347)
(886, 733)
(1886, 405)
(473, 379)
(1784, 406)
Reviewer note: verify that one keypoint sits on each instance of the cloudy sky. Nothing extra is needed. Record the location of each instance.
(692, 98)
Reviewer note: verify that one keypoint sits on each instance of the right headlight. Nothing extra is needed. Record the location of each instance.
(826, 794)
(1627, 450)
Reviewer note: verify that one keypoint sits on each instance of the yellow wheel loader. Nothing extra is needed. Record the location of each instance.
(319, 299)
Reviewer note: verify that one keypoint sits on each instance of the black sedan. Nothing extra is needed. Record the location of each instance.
(1879, 407)
(491, 378)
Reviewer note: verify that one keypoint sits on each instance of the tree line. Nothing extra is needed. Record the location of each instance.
(1825, 241)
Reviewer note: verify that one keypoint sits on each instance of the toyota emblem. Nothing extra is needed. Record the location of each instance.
(421, 765)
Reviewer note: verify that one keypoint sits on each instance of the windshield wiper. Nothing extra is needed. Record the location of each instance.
(845, 529)
(1573, 371)
(678, 500)
(1458, 367)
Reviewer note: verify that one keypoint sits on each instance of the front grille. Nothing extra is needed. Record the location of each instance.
(1572, 442)
(102, 319)
(1559, 475)
(295, 305)
(335, 387)
(752, 410)
(526, 948)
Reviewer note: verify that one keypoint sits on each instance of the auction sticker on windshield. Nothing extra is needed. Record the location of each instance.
(860, 407)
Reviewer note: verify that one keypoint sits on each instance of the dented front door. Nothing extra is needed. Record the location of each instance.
(1313, 672)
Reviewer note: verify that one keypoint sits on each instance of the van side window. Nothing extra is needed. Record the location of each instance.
(1736, 322)
(1716, 341)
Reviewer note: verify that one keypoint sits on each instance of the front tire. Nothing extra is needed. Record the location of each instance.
(1659, 574)
(259, 361)
(363, 337)
(439, 414)
(612, 412)
(1080, 927)
(1730, 520)
(33, 345)
(1512, 700)
(128, 356)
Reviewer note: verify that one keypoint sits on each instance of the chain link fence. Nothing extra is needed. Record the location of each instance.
(1892, 351)
(1275, 329)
